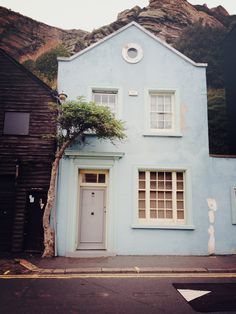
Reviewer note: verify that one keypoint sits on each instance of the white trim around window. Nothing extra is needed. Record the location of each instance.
(162, 198)
(112, 95)
(162, 112)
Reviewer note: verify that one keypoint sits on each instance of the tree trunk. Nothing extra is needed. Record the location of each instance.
(49, 233)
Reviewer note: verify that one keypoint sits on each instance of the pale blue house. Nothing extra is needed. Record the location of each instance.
(159, 192)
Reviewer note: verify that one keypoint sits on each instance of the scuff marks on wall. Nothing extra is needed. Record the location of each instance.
(212, 205)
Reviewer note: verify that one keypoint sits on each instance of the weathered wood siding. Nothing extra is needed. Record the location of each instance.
(22, 92)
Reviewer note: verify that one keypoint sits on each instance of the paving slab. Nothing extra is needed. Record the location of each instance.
(83, 270)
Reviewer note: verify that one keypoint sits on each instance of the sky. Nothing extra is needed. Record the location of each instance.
(87, 14)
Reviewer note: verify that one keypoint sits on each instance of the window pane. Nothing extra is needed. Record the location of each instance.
(168, 185)
(167, 100)
(180, 185)
(153, 204)
(180, 195)
(153, 195)
(160, 100)
(16, 123)
(142, 175)
(160, 125)
(180, 176)
(180, 204)
(97, 98)
(141, 195)
(160, 107)
(153, 103)
(153, 185)
(161, 204)
(161, 214)
(161, 195)
(112, 99)
(132, 52)
(168, 195)
(168, 125)
(142, 214)
(153, 214)
(101, 178)
(89, 178)
(180, 214)
(169, 204)
(153, 175)
(167, 107)
(141, 204)
(142, 184)
(169, 214)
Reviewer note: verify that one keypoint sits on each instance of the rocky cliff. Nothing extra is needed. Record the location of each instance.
(166, 19)
(24, 38)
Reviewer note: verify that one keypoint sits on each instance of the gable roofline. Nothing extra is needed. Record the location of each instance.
(28, 72)
(163, 43)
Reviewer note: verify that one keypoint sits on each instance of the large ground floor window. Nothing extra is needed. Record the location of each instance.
(161, 197)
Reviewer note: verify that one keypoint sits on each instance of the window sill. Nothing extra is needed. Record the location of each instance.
(168, 227)
(158, 134)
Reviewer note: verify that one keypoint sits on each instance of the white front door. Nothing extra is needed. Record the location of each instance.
(92, 218)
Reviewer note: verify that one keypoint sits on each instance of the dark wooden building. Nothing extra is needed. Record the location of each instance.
(230, 86)
(25, 155)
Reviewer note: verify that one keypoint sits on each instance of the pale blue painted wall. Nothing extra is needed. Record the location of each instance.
(160, 68)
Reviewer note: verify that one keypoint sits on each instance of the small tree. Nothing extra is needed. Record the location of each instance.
(75, 119)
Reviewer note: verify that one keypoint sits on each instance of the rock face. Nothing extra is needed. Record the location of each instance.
(165, 18)
(24, 38)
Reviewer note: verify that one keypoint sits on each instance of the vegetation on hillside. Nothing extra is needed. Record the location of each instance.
(217, 121)
(45, 66)
(205, 44)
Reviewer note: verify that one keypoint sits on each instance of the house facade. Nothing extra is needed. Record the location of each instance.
(159, 192)
(25, 155)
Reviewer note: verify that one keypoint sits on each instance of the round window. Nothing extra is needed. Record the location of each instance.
(132, 53)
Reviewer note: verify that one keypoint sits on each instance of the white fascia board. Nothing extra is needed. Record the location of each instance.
(92, 154)
(146, 32)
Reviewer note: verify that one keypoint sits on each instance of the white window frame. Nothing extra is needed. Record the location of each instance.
(132, 46)
(107, 90)
(175, 127)
(147, 223)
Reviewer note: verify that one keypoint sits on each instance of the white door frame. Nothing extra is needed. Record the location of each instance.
(99, 185)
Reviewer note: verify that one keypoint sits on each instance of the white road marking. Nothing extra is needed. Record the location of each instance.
(190, 295)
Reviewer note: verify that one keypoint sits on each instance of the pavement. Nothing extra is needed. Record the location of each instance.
(28, 264)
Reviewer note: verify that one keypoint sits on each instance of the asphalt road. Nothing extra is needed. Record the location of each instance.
(117, 295)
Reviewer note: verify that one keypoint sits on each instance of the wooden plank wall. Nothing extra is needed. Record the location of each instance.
(22, 92)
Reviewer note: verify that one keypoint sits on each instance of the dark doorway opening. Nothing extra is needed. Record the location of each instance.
(7, 206)
(33, 234)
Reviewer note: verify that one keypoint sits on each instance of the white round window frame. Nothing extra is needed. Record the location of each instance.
(126, 56)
